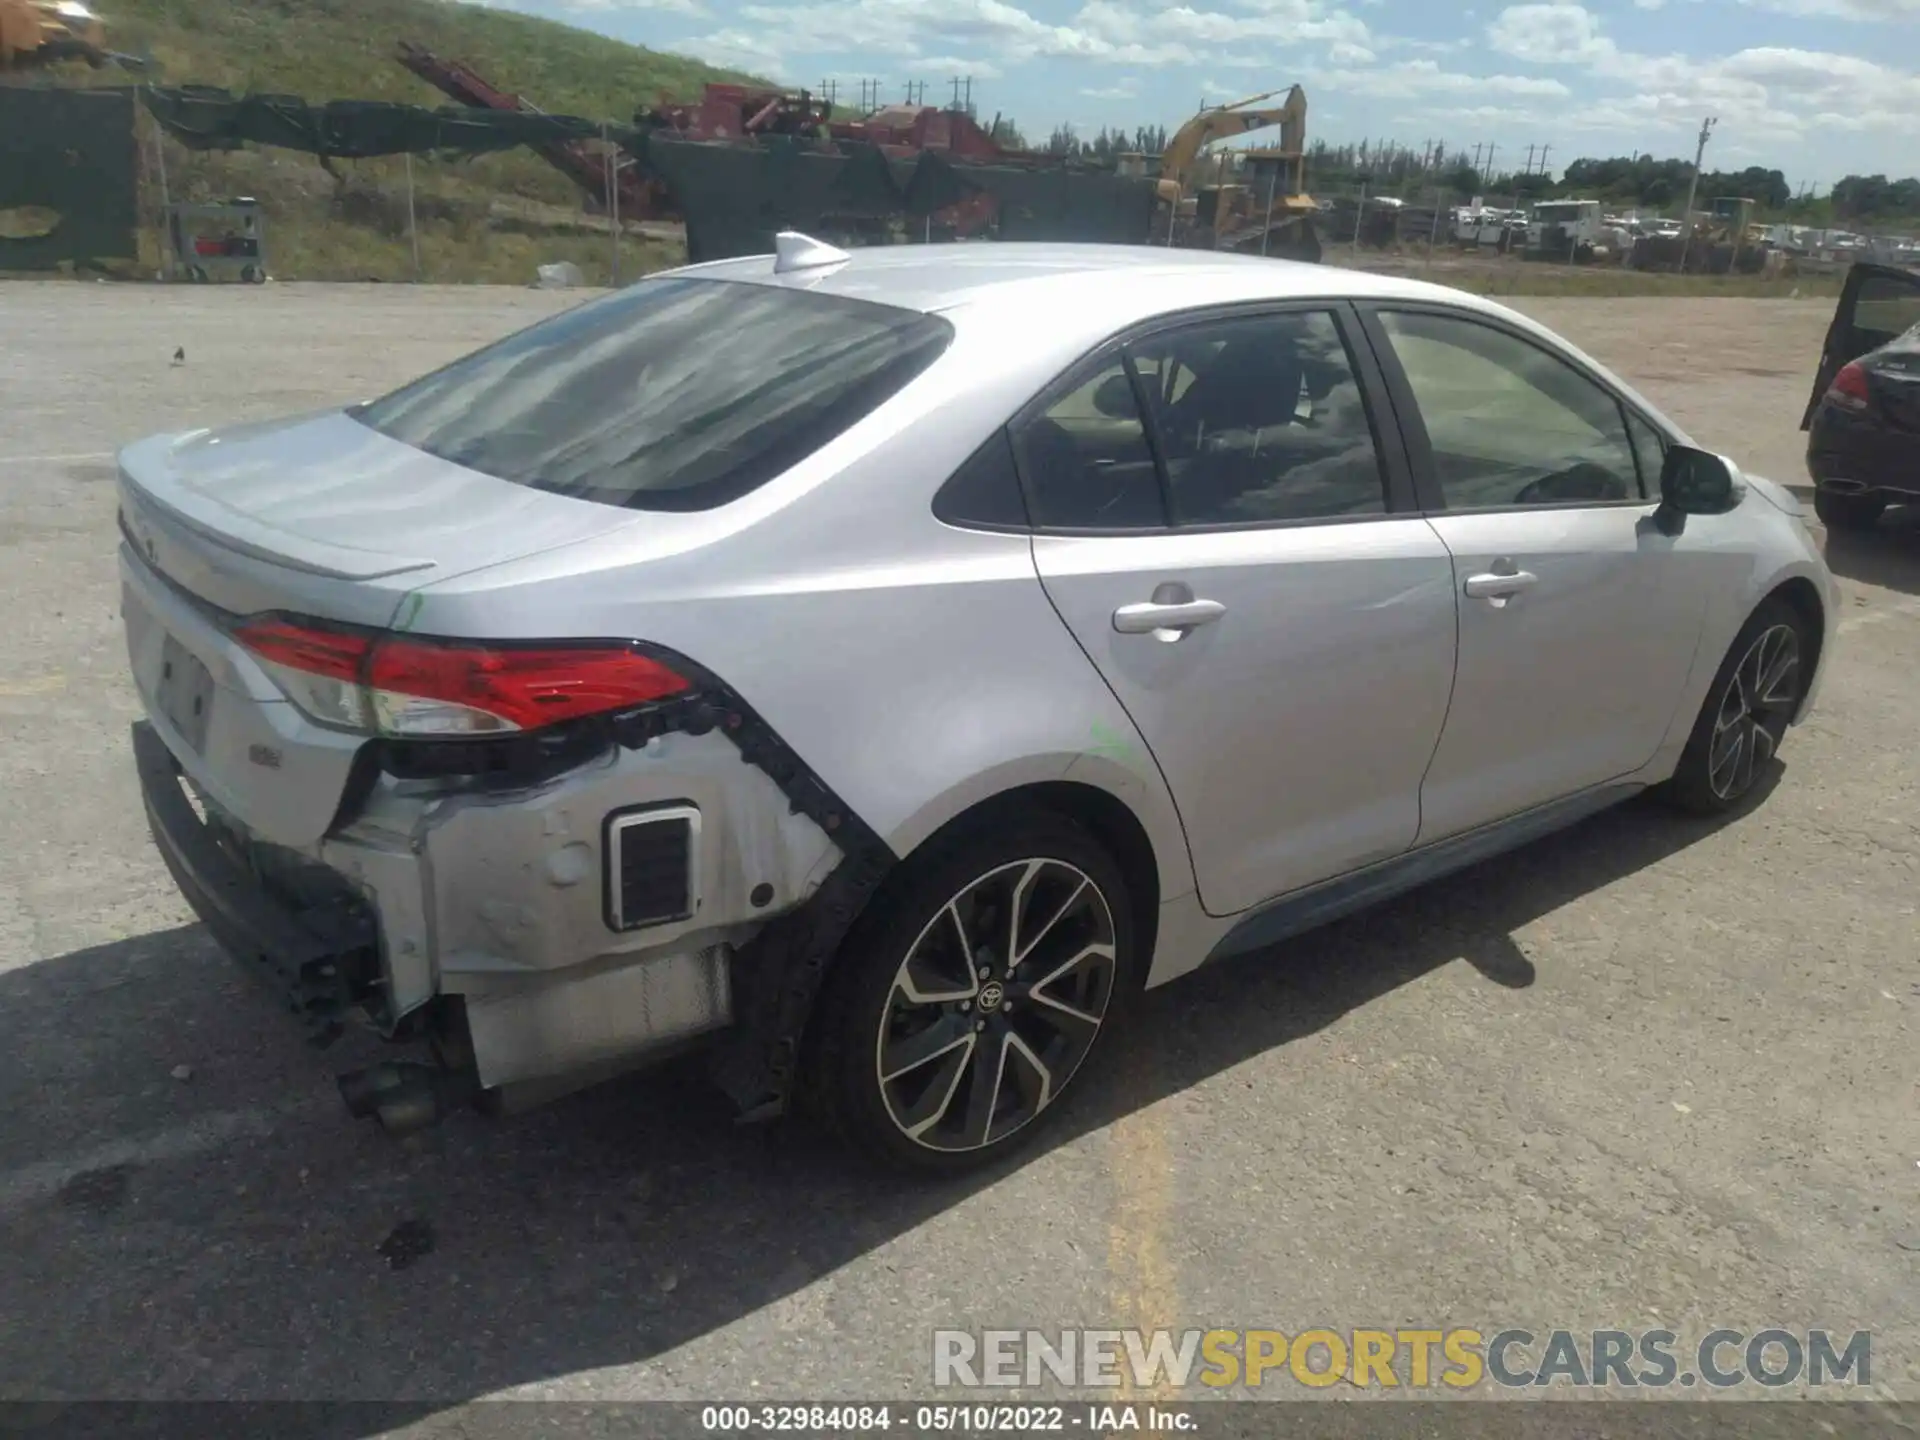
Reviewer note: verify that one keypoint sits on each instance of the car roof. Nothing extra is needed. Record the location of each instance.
(940, 278)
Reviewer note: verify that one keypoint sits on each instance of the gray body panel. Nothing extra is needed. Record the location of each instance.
(1574, 681)
(1294, 730)
(1351, 707)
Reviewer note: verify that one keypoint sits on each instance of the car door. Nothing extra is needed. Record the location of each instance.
(1577, 629)
(1877, 303)
(1248, 574)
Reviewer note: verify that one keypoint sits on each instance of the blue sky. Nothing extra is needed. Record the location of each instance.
(1819, 88)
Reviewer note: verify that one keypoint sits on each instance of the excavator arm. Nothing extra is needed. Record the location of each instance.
(1226, 121)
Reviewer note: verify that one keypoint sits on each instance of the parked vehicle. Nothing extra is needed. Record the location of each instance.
(1567, 230)
(1863, 418)
(879, 667)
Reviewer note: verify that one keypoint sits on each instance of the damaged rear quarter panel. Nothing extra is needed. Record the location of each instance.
(516, 880)
(917, 668)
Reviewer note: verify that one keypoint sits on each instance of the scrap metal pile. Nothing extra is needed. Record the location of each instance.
(735, 167)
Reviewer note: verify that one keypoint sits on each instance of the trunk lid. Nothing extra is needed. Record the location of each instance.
(323, 516)
(315, 516)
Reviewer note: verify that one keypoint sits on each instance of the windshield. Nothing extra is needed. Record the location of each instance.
(675, 394)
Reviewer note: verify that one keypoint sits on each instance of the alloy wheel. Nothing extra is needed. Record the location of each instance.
(1755, 709)
(996, 1004)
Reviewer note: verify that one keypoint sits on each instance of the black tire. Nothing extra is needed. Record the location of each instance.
(1746, 713)
(864, 1015)
(1846, 512)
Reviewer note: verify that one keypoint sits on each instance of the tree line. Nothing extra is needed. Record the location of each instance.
(1640, 181)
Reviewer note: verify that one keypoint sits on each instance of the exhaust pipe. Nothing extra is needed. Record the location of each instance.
(1845, 487)
(406, 1097)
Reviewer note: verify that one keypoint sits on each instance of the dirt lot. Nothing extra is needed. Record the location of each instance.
(1645, 1073)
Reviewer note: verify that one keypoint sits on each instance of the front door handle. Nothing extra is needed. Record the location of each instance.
(1495, 585)
(1150, 616)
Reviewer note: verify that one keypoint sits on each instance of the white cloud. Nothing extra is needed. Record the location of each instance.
(1425, 47)
(1123, 91)
(1865, 10)
(1558, 34)
(960, 65)
(1411, 78)
(997, 33)
(1762, 94)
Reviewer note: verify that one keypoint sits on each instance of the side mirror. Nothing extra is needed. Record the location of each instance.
(1114, 398)
(1692, 482)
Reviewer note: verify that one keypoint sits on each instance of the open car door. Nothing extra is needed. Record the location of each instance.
(1878, 303)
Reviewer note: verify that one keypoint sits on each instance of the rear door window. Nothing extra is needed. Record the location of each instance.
(675, 394)
(1087, 462)
(1260, 420)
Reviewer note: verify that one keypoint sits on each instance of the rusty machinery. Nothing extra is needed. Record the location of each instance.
(43, 32)
(736, 114)
(636, 196)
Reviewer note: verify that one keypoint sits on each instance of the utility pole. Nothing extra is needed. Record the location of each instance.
(1543, 158)
(1490, 149)
(1693, 190)
(1529, 169)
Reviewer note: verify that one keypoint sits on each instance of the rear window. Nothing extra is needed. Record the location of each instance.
(675, 394)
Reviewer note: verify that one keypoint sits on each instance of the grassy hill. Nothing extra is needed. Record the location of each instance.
(489, 218)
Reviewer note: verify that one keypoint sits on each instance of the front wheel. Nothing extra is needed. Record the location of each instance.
(1751, 703)
(1846, 512)
(972, 995)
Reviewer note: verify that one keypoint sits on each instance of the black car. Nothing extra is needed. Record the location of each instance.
(1863, 420)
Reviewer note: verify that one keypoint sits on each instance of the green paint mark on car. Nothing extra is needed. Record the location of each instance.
(1111, 744)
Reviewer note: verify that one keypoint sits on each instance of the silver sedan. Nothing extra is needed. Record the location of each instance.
(877, 668)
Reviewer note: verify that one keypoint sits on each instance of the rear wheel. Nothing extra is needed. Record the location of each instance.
(1846, 512)
(1748, 708)
(972, 995)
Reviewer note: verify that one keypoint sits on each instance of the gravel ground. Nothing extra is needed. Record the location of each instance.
(1646, 1072)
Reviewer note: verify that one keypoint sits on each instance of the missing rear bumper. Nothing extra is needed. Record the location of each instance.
(321, 959)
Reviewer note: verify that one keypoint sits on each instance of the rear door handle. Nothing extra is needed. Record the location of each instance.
(1496, 586)
(1149, 616)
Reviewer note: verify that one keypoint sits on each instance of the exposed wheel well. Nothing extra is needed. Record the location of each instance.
(1804, 597)
(1108, 820)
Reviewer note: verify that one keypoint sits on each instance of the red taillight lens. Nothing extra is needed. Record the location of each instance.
(403, 685)
(335, 654)
(428, 688)
(1849, 388)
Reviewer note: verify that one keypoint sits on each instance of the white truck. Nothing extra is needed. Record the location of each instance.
(1568, 230)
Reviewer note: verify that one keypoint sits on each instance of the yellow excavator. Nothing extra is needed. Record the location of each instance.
(41, 32)
(1263, 208)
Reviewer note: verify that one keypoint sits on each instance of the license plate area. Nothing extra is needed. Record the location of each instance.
(183, 693)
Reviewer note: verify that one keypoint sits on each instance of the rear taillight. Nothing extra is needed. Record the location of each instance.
(405, 685)
(429, 688)
(319, 669)
(1849, 388)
